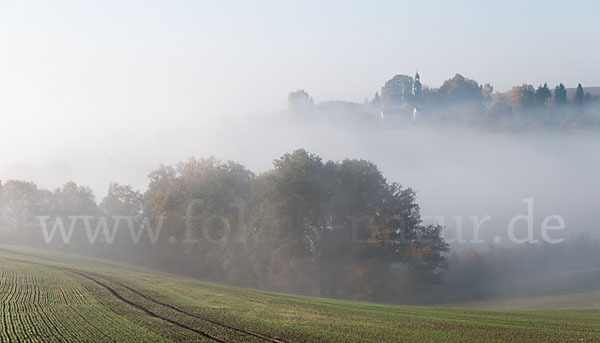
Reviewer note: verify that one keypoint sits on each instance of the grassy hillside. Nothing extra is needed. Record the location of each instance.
(46, 296)
(589, 300)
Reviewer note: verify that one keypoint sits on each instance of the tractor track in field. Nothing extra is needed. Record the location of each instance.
(145, 309)
(151, 313)
(210, 320)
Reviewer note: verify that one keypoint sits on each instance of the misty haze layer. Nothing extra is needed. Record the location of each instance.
(455, 171)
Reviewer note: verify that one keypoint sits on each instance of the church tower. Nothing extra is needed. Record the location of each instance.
(417, 88)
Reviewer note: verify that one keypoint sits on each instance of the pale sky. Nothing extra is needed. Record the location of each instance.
(143, 59)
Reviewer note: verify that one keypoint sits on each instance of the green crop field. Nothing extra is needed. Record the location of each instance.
(47, 296)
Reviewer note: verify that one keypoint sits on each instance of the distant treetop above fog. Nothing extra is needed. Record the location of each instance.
(462, 101)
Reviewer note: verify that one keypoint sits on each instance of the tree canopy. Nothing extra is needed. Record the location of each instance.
(309, 226)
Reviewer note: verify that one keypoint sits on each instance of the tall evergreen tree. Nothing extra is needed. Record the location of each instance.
(560, 94)
(579, 95)
(543, 93)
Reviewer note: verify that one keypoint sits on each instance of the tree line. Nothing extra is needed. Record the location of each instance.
(463, 101)
(336, 229)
